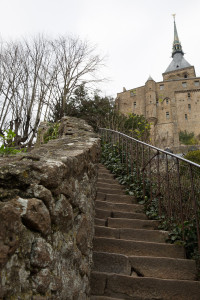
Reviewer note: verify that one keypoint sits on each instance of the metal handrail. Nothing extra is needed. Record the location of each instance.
(173, 180)
(153, 147)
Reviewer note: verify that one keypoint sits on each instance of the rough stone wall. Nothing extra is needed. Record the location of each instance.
(46, 217)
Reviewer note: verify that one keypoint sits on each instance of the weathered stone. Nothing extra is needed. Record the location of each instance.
(41, 281)
(35, 215)
(63, 213)
(46, 217)
(82, 236)
(41, 254)
(10, 230)
(40, 192)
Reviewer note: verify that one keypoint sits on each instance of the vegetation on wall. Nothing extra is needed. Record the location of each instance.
(188, 138)
(7, 145)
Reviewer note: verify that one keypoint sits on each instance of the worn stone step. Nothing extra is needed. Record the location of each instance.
(143, 288)
(116, 198)
(137, 248)
(105, 175)
(107, 180)
(123, 207)
(115, 185)
(99, 222)
(103, 169)
(104, 214)
(157, 236)
(114, 191)
(146, 235)
(132, 223)
(103, 298)
(143, 266)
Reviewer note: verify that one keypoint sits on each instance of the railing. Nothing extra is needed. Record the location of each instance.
(172, 180)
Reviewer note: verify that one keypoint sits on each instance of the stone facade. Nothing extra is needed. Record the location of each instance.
(172, 105)
(47, 215)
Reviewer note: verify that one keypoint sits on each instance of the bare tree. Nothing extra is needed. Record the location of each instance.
(37, 74)
(75, 63)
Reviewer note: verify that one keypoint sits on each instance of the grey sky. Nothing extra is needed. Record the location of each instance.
(136, 35)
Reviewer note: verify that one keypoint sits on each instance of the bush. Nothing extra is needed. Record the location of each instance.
(193, 156)
(187, 138)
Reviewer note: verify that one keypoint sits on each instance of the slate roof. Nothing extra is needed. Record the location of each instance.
(178, 62)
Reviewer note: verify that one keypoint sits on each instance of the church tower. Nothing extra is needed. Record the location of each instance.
(171, 105)
(179, 67)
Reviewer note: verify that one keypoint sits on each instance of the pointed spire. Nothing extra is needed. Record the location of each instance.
(150, 78)
(177, 48)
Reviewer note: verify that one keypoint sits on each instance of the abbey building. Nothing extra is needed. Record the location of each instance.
(172, 105)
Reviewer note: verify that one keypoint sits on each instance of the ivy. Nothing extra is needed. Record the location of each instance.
(113, 158)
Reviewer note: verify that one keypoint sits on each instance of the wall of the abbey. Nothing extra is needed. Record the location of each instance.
(170, 106)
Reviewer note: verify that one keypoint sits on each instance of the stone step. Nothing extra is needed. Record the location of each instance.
(103, 298)
(104, 214)
(111, 191)
(115, 198)
(99, 222)
(107, 180)
(137, 248)
(105, 175)
(143, 288)
(131, 223)
(103, 169)
(122, 207)
(115, 186)
(165, 268)
(157, 236)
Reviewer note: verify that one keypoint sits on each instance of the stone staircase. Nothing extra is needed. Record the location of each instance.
(131, 258)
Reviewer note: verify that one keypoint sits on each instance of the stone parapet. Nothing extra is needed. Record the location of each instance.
(47, 216)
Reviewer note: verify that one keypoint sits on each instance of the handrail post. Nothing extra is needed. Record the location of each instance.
(195, 202)
(159, 185)
(180, 197)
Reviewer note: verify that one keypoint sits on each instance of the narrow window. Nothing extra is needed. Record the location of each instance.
(167, 115)
(196, 83)
(167, 101)
(184, 84)
(162, 87)
(189, 95)
(189, 107)
(156, 102)
(134, 104)
(186, 117)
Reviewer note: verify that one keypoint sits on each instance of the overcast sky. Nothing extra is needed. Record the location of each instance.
(135, 35)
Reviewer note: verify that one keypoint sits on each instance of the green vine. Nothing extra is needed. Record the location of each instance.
(127, 175)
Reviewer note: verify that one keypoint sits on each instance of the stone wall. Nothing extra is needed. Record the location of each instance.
(46, 216)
